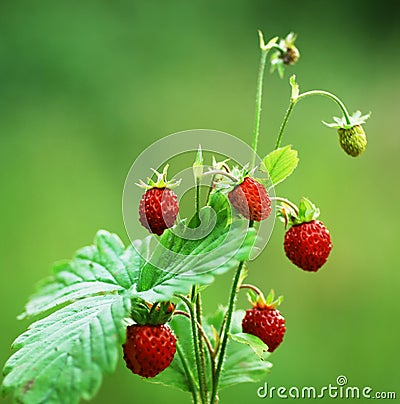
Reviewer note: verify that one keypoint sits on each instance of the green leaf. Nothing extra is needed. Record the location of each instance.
(255, 343)
(103, 268)
(186, 256)
(280, 163)
(242, 364)
(62, 357)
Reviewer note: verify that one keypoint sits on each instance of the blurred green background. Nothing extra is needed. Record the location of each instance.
(86, 86)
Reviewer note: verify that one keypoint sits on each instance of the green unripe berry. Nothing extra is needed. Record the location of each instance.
(353, 140)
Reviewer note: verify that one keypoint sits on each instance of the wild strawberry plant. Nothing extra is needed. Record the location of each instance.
(143, 301)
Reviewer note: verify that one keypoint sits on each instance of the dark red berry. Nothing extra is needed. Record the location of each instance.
(158, 209)
(149, 349)
(308, 245)
(265, 323)
(251, 200)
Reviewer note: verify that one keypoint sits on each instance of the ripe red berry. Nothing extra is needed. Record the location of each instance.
(308, 245)
(158, 209)
(251, 199)
(265, 323)
(149, 349)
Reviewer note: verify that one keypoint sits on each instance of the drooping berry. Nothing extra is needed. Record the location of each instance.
(308, 245)
(158, 209)
(352, 137)
(353, 140)
(251, 200)
(265, 321)
(149, 349)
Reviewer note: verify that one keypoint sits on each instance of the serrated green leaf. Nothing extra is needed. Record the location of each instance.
(280, 163)
(255, 343)
(62, 357)
(103, 268)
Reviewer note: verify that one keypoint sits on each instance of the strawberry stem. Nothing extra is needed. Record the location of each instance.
(295, 98)
(225, 331)
(251, 287)
(221, 172)
(189, 375)
(260, 79)
(200, 369)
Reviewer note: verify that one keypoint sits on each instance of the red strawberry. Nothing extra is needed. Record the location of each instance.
(149, 349)
(158, 209)
(251, 199)
(308, 245)
(265, 321)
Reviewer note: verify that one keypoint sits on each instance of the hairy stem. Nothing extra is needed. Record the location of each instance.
(257, 120)
(284, 123)
(294, 101)
(188, 373)
(332, 97)
(225, 333)
(200, 369)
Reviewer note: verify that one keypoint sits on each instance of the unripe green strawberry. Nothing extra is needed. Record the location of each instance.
(353, 140)
(149, 349)
(352, 137)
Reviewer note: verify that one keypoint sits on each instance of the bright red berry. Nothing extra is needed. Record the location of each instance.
(158, 209)
(149, 349)
(251, 200)
(265, 323)
(308, 245)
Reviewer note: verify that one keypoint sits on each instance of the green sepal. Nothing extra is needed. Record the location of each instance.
(153, 314)
(161, 181)
(291, 215)
(258, 300)
(355, 119)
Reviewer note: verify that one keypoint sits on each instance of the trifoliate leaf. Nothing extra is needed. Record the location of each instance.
(280, 163)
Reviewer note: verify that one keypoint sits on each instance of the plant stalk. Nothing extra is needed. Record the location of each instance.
(188, 373)
(294, 101)
(200, 369)
(225, 333)
(260, 79)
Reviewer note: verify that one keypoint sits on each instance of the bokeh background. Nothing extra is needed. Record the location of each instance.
(86, 86)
